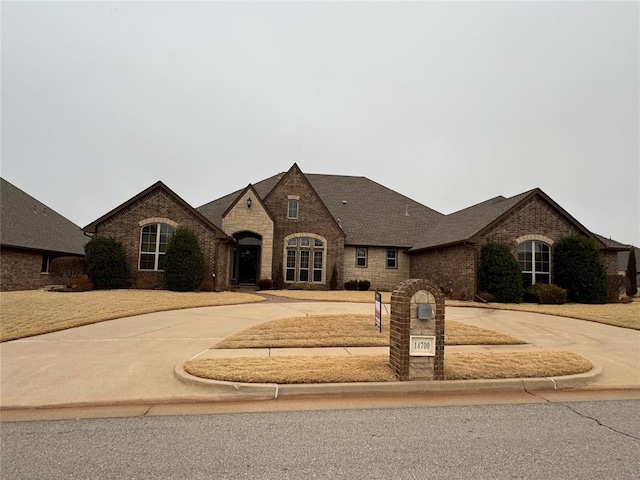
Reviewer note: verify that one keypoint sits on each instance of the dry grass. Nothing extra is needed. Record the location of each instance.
(346, 331)
(625, 315)
(28, 313)
(375, 368)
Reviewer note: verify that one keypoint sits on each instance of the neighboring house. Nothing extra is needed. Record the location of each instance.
(305, 230)
(31, 236)
(144, 225)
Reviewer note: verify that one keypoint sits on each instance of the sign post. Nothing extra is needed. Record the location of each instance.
(379, 311)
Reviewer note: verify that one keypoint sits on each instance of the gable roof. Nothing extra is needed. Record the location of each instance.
(368, 213)
(256, 196)
(469, 223)
(91, 228)
(28, 223)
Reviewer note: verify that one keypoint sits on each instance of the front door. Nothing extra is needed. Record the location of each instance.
(248, 264)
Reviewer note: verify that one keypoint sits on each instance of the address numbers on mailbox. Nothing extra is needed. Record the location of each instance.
(422, 346)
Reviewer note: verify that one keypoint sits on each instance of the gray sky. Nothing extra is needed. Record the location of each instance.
(448, 103)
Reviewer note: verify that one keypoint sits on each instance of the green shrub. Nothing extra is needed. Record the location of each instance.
(546, 293)
(499, 273)
(364, 285)
(63, 270)
(333, 282)
(351, 285)
(106, 263)
(265, 284)
(578, 268)
(632, 273)
(184, 265)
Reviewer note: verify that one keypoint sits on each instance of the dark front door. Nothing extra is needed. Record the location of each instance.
(248, 264)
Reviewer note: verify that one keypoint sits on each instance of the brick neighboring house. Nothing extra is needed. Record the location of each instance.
(31, 235)
(310, 228)
(144, 224)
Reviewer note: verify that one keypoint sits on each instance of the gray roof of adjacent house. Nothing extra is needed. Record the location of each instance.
(27, 223)
(368, 213)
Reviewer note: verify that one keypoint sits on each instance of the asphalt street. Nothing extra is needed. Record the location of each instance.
(573, 440)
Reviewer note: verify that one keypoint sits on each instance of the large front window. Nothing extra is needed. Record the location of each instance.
(305, 260)
(535, 262)
(153, 245)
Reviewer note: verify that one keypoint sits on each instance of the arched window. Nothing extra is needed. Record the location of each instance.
(154, 239)
(305, 259)
(534, 257)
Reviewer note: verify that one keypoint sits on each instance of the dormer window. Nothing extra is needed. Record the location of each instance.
(292, 208)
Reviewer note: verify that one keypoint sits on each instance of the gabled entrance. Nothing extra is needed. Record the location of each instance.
(246, 258)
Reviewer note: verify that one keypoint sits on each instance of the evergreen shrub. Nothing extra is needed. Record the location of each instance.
(364, 285)
(632, 273)
(499, 273)
(265, 284)
(184, 264)
(578, 268)
(546, 293)
(351, 285)
(106, 263)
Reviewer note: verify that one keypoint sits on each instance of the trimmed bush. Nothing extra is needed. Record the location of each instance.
(578, 268)
(364, 285)
(63, 270)
(184, 265)
(333, 282)
(265, 284)
(81, 283)
(632, 274)
(106, 263)
(546, 293)
(351, 285)
(499, 273)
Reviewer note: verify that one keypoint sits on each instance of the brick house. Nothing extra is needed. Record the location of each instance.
(32, 235)
(144, 224)
(310, 229)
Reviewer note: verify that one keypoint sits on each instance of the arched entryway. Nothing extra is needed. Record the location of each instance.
(246, 258)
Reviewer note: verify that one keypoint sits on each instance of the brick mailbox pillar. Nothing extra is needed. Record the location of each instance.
(417, 331)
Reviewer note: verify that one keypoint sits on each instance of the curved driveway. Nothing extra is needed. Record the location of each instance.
(131, 360)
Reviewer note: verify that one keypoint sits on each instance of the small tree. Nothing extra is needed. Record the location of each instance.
(64, 269)
(632, 273)
(499, 273)
(106, 263)
(184, 265)
(578, 268)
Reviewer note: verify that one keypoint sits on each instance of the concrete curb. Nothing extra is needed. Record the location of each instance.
(257, 391)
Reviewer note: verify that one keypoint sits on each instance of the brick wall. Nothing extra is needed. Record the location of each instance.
(20, 270)
(376, 271)
(313, 217)
(256, 220)
(125, 227)
(453, 269)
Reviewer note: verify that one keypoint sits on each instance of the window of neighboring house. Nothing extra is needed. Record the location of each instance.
(361, 257)
(292, 208)
(46, 262)
(392, 258)
(535, 262)
(154, 239)
(305, 260)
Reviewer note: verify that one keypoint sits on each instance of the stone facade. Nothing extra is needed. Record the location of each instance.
(313, 218)
(256, 220)
(376, 271)
(159, 206)
(21, 270)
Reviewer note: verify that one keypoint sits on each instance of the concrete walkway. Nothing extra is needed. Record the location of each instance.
(132, 360)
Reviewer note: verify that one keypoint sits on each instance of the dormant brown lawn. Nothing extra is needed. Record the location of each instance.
(28, 313)
(347, 331)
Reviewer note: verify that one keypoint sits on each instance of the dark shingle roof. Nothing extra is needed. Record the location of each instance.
(27, 223)
(373, 215)
(464, 224)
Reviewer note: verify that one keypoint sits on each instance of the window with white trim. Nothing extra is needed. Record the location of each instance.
(392, 258)
(534, 258)
(292, 208)
(154, 239)
(361, 257)
(305, 260)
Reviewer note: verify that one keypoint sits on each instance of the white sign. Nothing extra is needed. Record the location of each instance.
(421, 346)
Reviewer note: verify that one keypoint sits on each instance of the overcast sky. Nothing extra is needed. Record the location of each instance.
(449, 103)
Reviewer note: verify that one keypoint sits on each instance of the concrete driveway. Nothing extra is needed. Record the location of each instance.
(131, 360)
